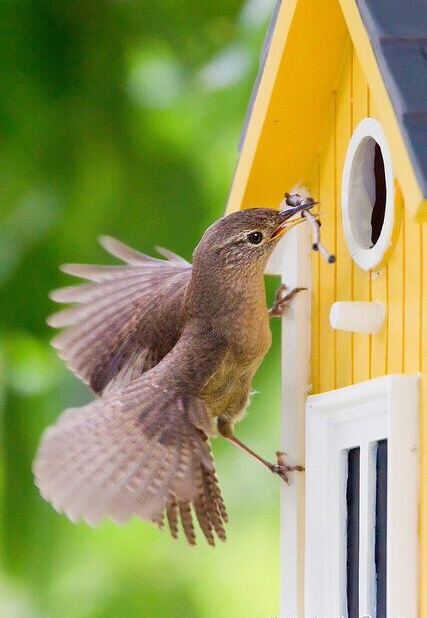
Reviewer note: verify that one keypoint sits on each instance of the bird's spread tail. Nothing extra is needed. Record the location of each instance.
(123, 456)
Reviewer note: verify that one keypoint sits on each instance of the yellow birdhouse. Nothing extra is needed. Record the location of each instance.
(340, 107)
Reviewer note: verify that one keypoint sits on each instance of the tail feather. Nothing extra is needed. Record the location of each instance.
(108, 459)
(187, 522)
(202, 510)
(172, 516)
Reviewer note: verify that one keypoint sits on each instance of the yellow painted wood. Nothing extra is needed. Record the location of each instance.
(413, 195)
(412, 296)
(379, 341)
(378, 293)
(327, 274)
(315, 301)
(343, 267)
(361, 279)
(395, 300)
(287, 121)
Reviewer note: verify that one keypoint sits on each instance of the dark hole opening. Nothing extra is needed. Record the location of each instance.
(381, 529)
(353, 507)
(378, 211)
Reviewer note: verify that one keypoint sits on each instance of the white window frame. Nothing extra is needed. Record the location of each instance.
(358, 416)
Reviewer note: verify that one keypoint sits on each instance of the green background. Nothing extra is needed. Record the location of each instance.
(121, 118)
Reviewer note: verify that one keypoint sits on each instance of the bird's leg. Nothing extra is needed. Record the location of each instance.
(282, 300)
(281, 468)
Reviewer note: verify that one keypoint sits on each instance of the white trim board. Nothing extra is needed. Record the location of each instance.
(360, 415)
(292, 261)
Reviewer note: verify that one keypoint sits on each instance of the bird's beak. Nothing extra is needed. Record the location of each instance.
(286, 215)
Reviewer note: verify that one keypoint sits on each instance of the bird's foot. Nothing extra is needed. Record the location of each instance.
(281, 468)
(282, 300)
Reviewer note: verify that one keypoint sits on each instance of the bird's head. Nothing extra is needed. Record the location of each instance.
(244, 240)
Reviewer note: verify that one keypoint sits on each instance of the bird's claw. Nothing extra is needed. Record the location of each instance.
(282, 299)
(281, 468)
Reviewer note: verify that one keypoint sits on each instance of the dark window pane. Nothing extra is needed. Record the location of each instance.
(381, 529)
(353, 499)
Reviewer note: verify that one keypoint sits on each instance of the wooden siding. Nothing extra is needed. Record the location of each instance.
(338, 358)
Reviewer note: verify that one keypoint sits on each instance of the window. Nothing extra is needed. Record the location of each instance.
(361, 500)
(368, 195)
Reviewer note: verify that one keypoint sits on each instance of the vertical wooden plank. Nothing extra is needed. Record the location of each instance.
(327, 272)
(315, 317)
(402, 497)
(378, 293)
(378, 346)
(412, 286)
(296, 270)
(361, 279)
(344, 341)
(395, 294)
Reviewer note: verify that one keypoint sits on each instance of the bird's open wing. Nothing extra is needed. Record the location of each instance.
(125, 320)
(141, 450)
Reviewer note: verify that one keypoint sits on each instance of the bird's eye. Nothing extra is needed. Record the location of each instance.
(255, 238)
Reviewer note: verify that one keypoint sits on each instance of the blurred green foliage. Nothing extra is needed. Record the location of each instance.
(119, 117)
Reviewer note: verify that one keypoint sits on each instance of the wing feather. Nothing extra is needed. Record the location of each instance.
(123, 252)
(130, 313)
(172, 257)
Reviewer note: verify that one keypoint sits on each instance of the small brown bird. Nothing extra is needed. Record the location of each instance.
(171, 350)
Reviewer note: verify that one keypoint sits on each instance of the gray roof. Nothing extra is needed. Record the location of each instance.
(398, 33)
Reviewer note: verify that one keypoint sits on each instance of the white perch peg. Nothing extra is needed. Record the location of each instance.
(357, 316)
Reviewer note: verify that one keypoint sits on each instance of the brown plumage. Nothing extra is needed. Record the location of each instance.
(171, 350)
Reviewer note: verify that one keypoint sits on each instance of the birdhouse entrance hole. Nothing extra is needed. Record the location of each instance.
(378, 211)
(368, 195)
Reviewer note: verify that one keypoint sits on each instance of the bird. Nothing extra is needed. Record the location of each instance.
(169, 349)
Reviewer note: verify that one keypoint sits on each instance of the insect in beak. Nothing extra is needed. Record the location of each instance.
(285, 227)
(287, 214)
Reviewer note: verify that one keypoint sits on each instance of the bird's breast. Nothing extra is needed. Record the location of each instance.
(250, 346)
(250, 335)
(230, 385)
